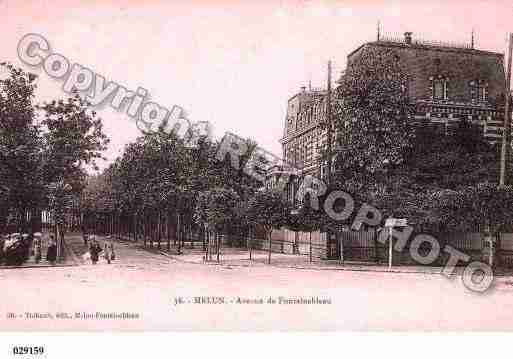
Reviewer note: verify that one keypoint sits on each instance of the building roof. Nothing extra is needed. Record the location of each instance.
(427, 45)
(459, 64)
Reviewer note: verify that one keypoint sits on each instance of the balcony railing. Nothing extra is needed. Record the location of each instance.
(401, 40)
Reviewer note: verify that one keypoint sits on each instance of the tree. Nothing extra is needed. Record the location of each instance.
(217, 209)
(373, 116)
(270, 210)
(460, 158)
(391, 164)
(20, 148)
(158, 176)
(305, 219)
(73, 139)
(485, 205)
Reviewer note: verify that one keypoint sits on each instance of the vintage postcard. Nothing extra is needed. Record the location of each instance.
(255, 166)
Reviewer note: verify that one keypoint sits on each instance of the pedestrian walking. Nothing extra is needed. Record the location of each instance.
(25, 244)
(37, 247)
(51, 252)
(95, 250)
(106, 253)
(112, 254)
(3, 239)
(85, 235)
(63, 229)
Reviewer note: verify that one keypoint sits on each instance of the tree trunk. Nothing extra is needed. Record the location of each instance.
(168, 232)
(134, 226)
(204, 237)
(159, 229)
(296, 240)
(375, 236)
(341, 244)
(178, 233)
(145, 228)
(270, 245)
(207, 252)
(310, 247)
(218, 246)
(248, 243)
(151, 229)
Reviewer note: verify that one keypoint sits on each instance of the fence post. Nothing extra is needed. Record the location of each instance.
(207, 240)
(270, 245)
(218, 236)
(310, 247)
(178, 234)
(248, 242)
(390, 248)
(168, 232)
(159, 229)
(498, 247)
(376, 250)
(341, 243)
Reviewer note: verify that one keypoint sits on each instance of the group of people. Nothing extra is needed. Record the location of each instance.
(95, 250)
(51, 251)
(16, 248)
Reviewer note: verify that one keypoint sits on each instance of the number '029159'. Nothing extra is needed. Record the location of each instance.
(25, 350)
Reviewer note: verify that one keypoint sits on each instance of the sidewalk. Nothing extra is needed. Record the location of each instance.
(70, 259)
(239, 257)
(233, 257)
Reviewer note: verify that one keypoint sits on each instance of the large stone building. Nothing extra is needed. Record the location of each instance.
(303, 135)
(450, 82)
(447, 83)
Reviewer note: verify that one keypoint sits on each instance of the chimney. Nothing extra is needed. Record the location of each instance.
(303, 89)
(407, 37)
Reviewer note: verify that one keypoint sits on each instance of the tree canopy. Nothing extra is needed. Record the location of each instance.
(44, 149)
(393, 164)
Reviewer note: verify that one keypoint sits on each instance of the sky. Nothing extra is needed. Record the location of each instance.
(232, 63)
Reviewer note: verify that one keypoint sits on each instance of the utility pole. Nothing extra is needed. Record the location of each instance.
(328, 149)
(328, 125)
(506, 133)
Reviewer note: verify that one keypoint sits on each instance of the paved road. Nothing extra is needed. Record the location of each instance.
(148, 284)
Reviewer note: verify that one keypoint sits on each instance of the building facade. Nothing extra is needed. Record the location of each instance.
(303, 135)
(448, 83)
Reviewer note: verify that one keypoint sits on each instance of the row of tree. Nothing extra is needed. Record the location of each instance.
(446, 180)
(159, 184)
(440, 180)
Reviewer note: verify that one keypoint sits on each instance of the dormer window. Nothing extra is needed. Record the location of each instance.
(439, 88)
(478, 90)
